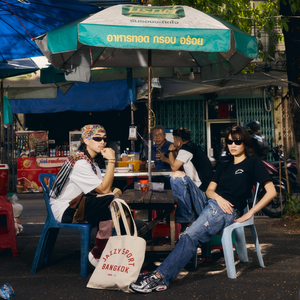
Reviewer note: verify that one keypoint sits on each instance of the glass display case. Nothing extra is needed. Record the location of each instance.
(74, 141)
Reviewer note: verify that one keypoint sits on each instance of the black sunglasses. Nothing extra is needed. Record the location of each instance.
(100, 139)
(237, 142)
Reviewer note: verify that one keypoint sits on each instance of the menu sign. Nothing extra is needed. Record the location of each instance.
(39, 141)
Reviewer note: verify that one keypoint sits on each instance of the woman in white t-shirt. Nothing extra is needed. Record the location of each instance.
(80, 193)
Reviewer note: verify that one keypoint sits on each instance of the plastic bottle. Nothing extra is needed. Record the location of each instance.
(144, 185)
(124, 156)
(6, 291)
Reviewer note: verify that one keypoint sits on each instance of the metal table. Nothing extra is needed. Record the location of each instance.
(164, 201)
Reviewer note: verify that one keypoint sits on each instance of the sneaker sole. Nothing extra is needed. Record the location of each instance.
(159, 288)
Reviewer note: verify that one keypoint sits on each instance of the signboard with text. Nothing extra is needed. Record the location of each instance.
(29, 168)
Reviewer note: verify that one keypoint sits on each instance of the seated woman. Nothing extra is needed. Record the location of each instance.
(80, 193)
(227, 196)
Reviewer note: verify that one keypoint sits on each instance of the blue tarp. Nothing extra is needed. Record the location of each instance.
(20, 21)
(99, 96)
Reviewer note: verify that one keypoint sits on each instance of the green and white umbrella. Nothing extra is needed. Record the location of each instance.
(120, 36)
(131, 36)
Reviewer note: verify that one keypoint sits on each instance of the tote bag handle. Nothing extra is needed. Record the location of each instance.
(119, 204)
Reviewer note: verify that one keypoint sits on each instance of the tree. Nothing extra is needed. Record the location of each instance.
(291, 12)
(250, 16)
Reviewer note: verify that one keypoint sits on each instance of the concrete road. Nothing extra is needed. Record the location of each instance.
(60, 280)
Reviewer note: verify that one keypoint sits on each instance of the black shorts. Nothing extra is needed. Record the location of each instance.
(96, 209)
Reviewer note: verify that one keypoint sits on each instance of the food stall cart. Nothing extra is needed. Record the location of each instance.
(34, 159)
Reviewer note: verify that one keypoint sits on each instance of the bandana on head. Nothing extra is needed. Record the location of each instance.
(89, 130)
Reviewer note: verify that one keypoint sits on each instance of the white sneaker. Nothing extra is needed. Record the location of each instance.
(94, 261)
(148, 283)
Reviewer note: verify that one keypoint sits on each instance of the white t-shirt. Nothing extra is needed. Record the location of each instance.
(82, 179)
(189, 168)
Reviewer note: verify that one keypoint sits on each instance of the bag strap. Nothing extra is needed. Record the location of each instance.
(119, 204)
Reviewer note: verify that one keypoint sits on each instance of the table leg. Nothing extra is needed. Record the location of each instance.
(172, 228)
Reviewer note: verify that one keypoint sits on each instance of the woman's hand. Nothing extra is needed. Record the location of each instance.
(108, 153)
(244, 217)
(225, 205)
(269, 195)
(172, 147)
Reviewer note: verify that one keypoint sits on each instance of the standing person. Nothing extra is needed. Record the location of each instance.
(159, 151)
(80, 194)
(188, 186)
(227, 195)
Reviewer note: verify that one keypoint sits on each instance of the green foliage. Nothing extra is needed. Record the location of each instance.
(251, 16)
(293, 205)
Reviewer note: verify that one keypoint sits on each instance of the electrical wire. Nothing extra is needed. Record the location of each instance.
(265, 102)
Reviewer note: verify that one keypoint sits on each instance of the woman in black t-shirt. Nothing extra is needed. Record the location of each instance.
(232, 182)
(227, 193)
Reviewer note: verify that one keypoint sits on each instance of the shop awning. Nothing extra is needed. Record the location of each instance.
(99, 96)
(183, 86)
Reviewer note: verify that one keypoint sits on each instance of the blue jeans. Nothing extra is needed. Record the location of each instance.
(210, 221)
(191, 200)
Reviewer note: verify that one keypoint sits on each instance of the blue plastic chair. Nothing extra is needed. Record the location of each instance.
(237, 229)
(50, 232)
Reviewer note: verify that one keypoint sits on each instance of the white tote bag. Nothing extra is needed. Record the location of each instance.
(122, 258)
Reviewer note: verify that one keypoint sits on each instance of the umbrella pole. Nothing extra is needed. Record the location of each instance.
(2, 130)
(149, 114)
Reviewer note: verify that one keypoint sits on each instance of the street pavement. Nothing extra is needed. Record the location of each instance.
(60, 279)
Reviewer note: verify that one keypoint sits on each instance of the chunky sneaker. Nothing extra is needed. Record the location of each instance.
(94, 261)
(148, 283)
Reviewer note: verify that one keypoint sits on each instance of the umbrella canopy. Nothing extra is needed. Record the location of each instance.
(120, 36)
(20, 21)
(139, 36)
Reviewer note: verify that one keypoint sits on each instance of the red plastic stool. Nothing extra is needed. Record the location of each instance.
(163, 230)
(7, 228)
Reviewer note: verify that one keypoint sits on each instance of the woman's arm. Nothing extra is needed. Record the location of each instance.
(175, 164)
(270, 194)
(225, 205)
(106, 184)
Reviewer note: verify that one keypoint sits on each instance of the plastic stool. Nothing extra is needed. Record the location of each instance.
(7, 228)
(163, 230)
(3, 198)
(215, 243)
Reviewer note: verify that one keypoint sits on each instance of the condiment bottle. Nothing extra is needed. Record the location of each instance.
(131, 157)
(124, 156)
(144, 185)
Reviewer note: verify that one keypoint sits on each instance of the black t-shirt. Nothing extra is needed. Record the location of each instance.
(196, 164)
(235, 181)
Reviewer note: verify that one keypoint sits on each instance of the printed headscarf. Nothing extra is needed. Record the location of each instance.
(89, 130)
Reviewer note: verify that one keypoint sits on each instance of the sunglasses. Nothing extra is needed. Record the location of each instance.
(99, 139)
(237, 142)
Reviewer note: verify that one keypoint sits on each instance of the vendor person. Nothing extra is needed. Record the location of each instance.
(80, 194)
(159, 151)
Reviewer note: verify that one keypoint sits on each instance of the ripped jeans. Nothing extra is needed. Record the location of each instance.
(211, 220)
(191, 200)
